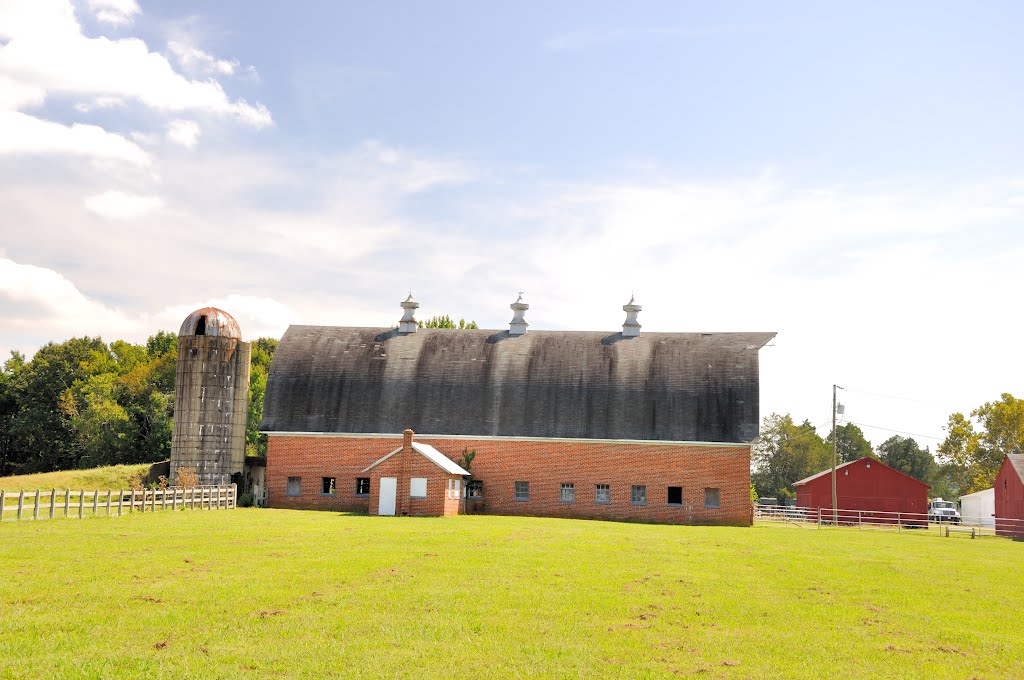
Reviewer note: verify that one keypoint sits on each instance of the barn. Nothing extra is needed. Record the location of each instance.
(979, 508)
(1009, 488)
(608, 425)
(865, 485)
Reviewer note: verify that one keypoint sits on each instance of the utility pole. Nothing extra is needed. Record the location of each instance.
(835, 504)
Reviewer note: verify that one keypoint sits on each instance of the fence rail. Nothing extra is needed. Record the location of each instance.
(40, 504)
(895, 521)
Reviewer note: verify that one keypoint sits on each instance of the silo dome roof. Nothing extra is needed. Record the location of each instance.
(211, 321)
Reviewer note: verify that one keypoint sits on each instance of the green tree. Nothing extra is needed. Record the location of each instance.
(786, 453)
(903, 454)
(850, 443)
(974, 447)
(445, 321)
(262, 354)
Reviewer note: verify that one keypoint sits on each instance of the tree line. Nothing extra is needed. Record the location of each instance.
(85, 403)
(966, 461)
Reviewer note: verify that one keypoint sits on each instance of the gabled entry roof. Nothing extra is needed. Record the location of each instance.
(430, 453)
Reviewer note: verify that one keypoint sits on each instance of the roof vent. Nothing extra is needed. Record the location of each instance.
(408, 323)
(631, 327)
(518, 324)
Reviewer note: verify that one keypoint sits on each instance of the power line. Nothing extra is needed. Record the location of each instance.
(888, 429)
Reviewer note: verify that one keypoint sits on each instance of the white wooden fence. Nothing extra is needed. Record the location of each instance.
(70, 503)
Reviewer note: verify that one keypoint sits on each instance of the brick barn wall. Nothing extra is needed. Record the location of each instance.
(404, 466)
(544, 464)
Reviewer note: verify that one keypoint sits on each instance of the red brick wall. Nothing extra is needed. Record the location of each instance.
(404, 466)
(545, 465)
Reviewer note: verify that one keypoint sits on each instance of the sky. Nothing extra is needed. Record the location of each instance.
(849, 176)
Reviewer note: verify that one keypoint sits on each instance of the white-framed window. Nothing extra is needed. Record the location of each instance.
(712, 498)
(294, 487)
(675, 495)
(454, 488)
(567, 492)
(417, 487)
(327, 486)
(522, 491)
(362, 486)
(638, 495)
(603, 493)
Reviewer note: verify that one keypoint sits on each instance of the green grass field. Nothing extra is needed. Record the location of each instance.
(111, 477)
(276, 593)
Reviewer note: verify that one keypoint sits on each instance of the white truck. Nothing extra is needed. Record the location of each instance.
(943, 511)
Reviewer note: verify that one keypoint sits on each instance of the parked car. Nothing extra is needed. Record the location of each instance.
(943, 511)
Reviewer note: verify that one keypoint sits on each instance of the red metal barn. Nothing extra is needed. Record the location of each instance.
(1010, 497)
(869, 487)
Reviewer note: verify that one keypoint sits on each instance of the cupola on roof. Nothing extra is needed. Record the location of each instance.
(211, 321)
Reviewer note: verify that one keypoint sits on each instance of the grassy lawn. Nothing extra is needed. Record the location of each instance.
(277, 593)
(111, 477)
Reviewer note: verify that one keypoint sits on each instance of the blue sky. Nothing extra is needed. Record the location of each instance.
(849, 176)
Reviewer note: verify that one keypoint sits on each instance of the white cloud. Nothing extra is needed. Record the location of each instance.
(115, 12)
(24, 134)
(99, 103)
(183, 132)
(257, 316)
(119, 205)
(47, 50)
(195, 60)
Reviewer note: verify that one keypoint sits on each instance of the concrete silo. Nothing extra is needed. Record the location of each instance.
(211, 397)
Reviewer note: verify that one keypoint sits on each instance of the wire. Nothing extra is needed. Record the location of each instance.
(888, 429)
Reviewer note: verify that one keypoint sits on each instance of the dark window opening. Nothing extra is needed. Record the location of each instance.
(362, 486)
(328, 488)
(675, 495)
(712, 498)
(522, 491)
(474, 488)
(294, 487)
(201, 326)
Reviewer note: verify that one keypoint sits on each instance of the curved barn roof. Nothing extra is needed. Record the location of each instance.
(551, 384)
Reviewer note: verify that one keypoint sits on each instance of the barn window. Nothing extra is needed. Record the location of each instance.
(603, 493)
(418, 487)
(362, 486)
(294, 487)
(567, 492)
(327, 487)
(475, 488)
(522, 491)
(454, 487)
(638, 496)
(675, 495)
(201, 325)
(712, 498)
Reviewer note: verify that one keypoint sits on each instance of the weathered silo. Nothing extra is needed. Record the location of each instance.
(211, 397)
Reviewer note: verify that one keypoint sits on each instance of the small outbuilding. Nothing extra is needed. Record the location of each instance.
(866, 485)
(1009, 497)
(415, 479)
(979, 508)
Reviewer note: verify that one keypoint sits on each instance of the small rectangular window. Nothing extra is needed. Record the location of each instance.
(294, 487)
(638, 496)
(327, 487)
(362, 486)
(712, 498)
(567, 492)
(474, 488)
(418, 487)
(522, 492)
(603, 493)
(454, 488)
(675, 495)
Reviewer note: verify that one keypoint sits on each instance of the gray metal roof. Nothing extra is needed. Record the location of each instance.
(572, 384)
(1017, 461)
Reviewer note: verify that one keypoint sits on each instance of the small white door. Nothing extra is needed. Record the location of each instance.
(388, 494)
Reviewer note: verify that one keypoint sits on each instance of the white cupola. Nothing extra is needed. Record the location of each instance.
(518, 324)
(408, 324)
(631, 327)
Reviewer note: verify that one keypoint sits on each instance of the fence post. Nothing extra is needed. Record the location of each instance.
(81, 503)
(163, 499)
(133, 502)
(35, 507)
(3, 501)
(234, 495)
(21, 502)
(120, 501)
(53, 501)
(109, 492)
(193, 504)
(67, 503)
(899, 523)
(95, 502)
